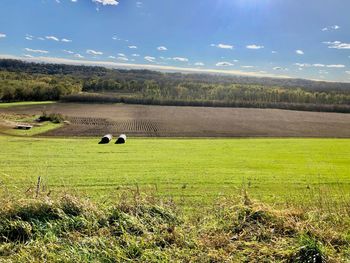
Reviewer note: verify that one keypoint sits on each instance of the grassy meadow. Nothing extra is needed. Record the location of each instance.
(174, 200)
(193, 171)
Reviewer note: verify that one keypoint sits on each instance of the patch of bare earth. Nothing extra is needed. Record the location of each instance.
(170, 121)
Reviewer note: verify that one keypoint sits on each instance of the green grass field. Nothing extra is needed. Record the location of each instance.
(195, 171)
(24, 103)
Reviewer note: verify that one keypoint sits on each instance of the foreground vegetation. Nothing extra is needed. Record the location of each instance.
(20, 81)
(138, 228)
(191, 171)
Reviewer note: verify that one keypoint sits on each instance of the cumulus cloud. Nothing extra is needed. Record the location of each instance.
(299, 52)
(248, 67)
(336, 66)
(68, 51)
(223, 64)
(78, 56)
(253, 46)
(317, 65)
(52, 38)
(180, 59)
(36, 51)
(94, 52)
(29, 37)
(121, 55)
(135, 55)
(222, 46)
(106, 2)
(150, 59)
(66, 40)
(132, 47)
(329, 28)
(122, 59)
(337, 45)
(199, 64)
(28, 56)
(162, 48)
(2, 35)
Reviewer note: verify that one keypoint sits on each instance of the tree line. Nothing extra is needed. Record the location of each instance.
(33, 81)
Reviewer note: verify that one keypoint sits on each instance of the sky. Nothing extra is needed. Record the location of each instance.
(274, 38)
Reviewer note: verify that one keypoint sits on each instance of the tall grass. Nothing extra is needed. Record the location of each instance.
(140, 228)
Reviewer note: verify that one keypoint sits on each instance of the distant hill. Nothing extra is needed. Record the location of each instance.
(23, 81)
(53, 69)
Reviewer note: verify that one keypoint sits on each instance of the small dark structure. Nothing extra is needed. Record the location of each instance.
(24, 126)
(106, 139)
(121, 139)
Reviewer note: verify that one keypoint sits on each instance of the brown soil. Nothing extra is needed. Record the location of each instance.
(169, 121)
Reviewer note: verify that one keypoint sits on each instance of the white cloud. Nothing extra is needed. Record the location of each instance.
(306, 65)
(2, 35)
(223, 46)
(112, 57)
(199, 64)
(74, 1)
(149, 58)
(299, 52)
(223, 64)
(52, 38)
(36, 51)
(180, 59)
(78, 56)
(28, 56)
(162, 48)
(29, 37)
(347, 72)
(41, 38)
(66, 40)
(132, 47)
(121, 55)
(328, 28)
(135, 55)
(253, 46)
(274, 52)
(93, 52)
(336, 66)
(319, 65)
(68, 51)
(106, 2)
(248, 67)
(337, 45)
(122, 59)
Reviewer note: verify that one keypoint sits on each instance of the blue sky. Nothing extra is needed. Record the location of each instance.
(287, 38)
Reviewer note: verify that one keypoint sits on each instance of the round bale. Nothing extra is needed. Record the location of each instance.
(121, 139)
(106, 139)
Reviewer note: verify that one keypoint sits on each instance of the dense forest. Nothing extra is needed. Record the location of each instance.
(33, 81)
